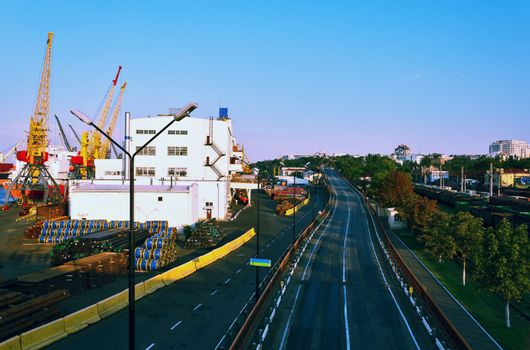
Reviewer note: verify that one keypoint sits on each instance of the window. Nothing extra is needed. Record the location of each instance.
(183, 172)
(148, 151)
(209, 204)
(113, 173)
(160, 199)
(145, 171)
(177, 132)
(177, 151)
(145, 132)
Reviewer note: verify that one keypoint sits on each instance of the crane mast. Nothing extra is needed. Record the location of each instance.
(94, 150)
(106, 143)
(38, 127)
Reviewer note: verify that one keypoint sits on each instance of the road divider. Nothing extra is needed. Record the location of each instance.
(53, 331)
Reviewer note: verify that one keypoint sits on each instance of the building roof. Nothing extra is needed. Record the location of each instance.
(90, 187)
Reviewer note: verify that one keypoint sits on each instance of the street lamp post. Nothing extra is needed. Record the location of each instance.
(257, 235)
(184, 112)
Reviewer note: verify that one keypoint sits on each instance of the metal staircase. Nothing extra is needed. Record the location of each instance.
(217, 150)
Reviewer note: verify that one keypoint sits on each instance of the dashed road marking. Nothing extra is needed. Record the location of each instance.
(176, 325)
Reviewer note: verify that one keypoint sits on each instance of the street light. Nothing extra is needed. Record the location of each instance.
(256, 172)
(181, 114)
(294, 203)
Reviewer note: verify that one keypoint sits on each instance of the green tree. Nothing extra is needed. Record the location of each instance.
(505, 266)
(438, 239)
(467, 232)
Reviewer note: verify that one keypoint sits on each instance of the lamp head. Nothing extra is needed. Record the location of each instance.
(82, 116)
(185, 111)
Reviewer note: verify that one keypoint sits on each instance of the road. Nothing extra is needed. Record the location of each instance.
(343, 296)
(196, 312)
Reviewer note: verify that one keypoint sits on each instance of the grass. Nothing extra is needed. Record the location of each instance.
(485, 306)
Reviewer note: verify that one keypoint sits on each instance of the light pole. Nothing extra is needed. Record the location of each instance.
(294, 203)
(181, 114)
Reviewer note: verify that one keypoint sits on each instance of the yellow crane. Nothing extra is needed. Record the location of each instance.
(82, 166)
(105, 148)
(34, 182)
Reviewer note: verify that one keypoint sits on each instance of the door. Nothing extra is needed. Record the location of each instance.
(208, 213)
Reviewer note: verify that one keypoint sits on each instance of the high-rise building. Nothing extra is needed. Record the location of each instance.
(507, 148)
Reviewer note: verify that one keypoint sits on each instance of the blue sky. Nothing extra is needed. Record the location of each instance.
(297, 77)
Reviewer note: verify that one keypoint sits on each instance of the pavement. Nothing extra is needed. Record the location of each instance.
(196, 312)
(342, 293)
(476, 336)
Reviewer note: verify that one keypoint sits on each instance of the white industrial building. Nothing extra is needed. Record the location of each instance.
(186, 174)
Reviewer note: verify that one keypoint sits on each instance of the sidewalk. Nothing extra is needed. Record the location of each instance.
(465, 323)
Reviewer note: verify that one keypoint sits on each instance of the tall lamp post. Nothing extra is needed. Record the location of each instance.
(294, 201)
(256, 172)
(181, 114)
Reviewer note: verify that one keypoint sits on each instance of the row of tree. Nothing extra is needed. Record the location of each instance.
(500, 257)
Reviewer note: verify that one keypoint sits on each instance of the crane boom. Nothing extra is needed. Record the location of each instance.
(63, 135)
(94, 150)
(106, 144)
(75, 133)
(38, 130)
(3, 157)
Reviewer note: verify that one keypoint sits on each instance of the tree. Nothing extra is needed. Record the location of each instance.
(467, 232)
(417, 211)
(394, 188)
(505, 266)
(438, 239)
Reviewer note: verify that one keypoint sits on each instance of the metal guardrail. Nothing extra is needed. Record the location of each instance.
(452, 333)
(251, 311)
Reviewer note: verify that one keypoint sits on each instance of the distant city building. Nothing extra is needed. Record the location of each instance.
(509, 178)
(507, 148)
(404, 153)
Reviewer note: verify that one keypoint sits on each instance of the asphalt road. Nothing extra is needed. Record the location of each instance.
(196, 312)
(340, 299)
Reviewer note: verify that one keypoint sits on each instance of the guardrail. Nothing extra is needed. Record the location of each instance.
(253, 310)
(452, 333)
(51, 332)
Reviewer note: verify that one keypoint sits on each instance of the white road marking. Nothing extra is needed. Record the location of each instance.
(284, 336)
(238, 271)
(150, 346)
(228, 280)
(196, 307)
(213, 293)
(346, 321)
(176, 325)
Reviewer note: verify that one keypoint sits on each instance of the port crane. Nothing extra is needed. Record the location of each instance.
(5, 156)
(63, 135)
(82, 166)
(34, 181)
(105, 149)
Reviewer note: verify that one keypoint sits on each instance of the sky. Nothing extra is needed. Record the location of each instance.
(298, 77)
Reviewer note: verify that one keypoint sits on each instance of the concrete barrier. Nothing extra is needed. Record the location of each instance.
(154, 283)
(179, 272)
(204, 260)
(139, 291)
(11, 344)
(81, 319)
(44, 335)
(291, 211)
(114, 303)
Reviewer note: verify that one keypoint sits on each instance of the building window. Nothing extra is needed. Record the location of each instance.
(113, 173)
(147, 151)
(177, 132)
(160, 199)
(145, 171)
(145, 132)
(209, 204)
(177, 151)
(181, 172)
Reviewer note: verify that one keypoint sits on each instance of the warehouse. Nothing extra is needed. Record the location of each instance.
(199, 153)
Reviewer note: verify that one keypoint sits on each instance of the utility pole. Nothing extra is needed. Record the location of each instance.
(491, 179)
(462, 179)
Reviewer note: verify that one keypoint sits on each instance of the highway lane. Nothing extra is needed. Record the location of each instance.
(195, 313)
(345, 297)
